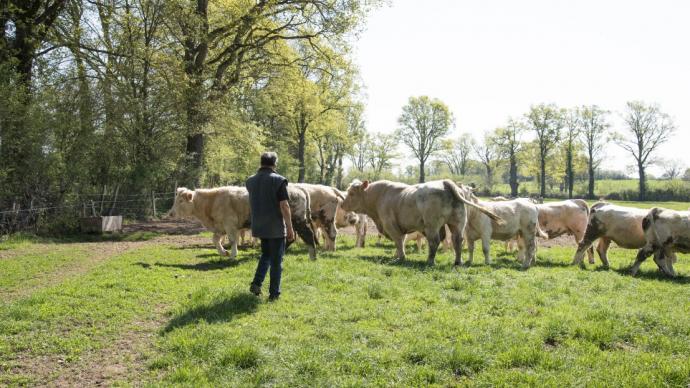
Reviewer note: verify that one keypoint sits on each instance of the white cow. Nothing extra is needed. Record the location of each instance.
(666, 232)
(398, 209)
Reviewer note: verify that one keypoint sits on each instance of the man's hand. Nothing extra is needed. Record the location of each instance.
(290, 234)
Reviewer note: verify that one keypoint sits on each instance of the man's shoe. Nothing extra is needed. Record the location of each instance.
(273, 298)
(254, 289)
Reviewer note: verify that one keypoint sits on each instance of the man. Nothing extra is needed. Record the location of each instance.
(271, 222)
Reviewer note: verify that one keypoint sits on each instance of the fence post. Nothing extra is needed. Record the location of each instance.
(153, 201)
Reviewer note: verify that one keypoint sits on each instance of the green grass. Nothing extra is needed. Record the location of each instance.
(351, 318)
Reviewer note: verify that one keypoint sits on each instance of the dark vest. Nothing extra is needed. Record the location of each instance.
(267, 220)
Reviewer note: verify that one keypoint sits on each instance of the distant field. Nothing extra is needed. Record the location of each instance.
(603, 187)
(169, 311)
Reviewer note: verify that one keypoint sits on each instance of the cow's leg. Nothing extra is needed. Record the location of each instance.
(361, 230)
(398, 237)
(306, 233)
(232, 236)
(670, 259)
(486, 249)
(470, 252)
(642, 255)
(582, 248)
(602, 250)
(456, 240)
(520, 249)
(579, 235)
(218, 242)
(530, 250)
(433, 239)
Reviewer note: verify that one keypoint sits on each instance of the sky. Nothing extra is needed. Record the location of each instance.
(490, 60)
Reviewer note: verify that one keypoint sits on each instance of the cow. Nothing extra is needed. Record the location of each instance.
(324, 204)
(344, 219)
(397, 209)
(223, 211)
(520, 221)
(226, 211)
(565, 217)
(607, 223)
(666, 232)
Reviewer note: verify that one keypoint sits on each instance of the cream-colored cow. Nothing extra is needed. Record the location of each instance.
(520, 221)
(324, 204)
(611, 223)
(397, 209)
(666, 232)
(223, 211)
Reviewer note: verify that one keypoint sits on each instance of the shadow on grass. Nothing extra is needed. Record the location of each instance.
(654, 274)
(213, 265)
(216, 311)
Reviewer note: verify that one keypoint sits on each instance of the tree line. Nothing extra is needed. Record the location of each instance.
(550, 143)
(134, 96)
(140, 95)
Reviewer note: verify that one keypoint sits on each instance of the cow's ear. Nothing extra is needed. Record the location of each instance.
(365, 184)
(188, 196)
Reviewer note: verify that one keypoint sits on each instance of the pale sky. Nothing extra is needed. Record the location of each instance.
(491, 59)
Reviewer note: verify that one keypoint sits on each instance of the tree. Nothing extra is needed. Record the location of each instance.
(572, 129)
(422, 125)
(509, 144)
(230, 43)
(673, 168)
(488, 155)
(593, 134)
(456, 153)
(382, 152)
(647, 129)
(546, 122)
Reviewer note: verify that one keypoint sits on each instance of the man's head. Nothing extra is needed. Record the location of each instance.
(269, 159)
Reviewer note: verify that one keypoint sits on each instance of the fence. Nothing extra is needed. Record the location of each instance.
(64, 217)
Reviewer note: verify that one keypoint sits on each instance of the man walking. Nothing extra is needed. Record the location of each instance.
(271, 222)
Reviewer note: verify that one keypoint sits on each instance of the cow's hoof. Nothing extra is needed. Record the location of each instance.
(606, 267)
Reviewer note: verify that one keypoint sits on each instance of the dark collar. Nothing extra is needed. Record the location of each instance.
(266, 169)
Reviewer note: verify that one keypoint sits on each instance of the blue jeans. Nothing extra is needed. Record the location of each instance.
(272, 250)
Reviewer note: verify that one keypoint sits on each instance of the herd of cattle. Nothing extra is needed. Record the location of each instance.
(448, 212)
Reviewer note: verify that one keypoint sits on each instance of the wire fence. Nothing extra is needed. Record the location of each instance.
(65, 216)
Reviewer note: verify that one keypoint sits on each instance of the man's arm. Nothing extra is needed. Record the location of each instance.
(287, 217)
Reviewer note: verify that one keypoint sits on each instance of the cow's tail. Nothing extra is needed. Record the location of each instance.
(455, 191)
(309, 219)
(339, 194)
(540, 233)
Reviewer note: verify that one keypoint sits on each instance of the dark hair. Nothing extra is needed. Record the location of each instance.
(269, 159)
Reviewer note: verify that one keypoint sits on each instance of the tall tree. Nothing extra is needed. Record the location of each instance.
(594, 132)
(647, 129)
(382, 152)
(423, 123)
(456, 153)
(488, 155)
(24, 28)
(546, 122)
(509, 144)
(571, 133)
(234, 42)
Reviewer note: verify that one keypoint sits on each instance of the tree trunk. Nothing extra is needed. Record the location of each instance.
(590, 186)
(489, 178)
(422, 176)
(542, 168)
(643, 182)
(339, 173)
(569, 173)
(513, 176)
(301, 145)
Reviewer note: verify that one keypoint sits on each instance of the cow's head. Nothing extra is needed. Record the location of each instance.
(343, 217)
(183, 206)
(354, 201)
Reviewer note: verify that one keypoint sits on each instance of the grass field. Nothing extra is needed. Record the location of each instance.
(168, 311)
